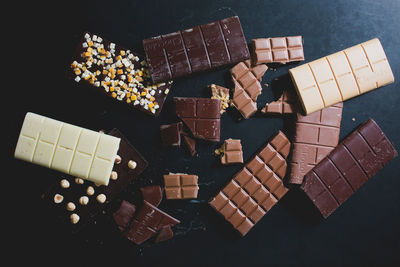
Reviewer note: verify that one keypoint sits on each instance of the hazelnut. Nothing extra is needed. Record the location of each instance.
(101, 198)
(84, 200)
(118, 159)
(74, 218)
(132, 164)
(58, 198)
(70, 206)
(90, 190)
(114, 175)
(79, 180)
(64, 183)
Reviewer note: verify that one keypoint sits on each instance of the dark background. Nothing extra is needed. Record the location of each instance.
(41, 39)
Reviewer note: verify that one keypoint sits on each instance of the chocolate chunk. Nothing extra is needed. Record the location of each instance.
(164, 234)
(181, 186)
(277, 50)
(171, 134)
(232, 152)
(190, 143)
(124, 214)
(285, 105)
(352, 163)
(148, 221)
(200, 115)
(152, 194)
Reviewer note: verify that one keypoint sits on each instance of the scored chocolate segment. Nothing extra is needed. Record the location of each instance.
(200, 115)
(247, 79)
(118, 73)
(256, 188)
(197, 49)
(152, 194)
(181, 186)
(171, 134)
(285, 105)
(352, 163)
(232, 151)
(78, 188)
(316, 135)
(148, 222)
(278, 49)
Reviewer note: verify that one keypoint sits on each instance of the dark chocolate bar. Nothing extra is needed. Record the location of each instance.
(78, 201)
(201, 115)
(197, 49)
(118, 73)
(352, 163)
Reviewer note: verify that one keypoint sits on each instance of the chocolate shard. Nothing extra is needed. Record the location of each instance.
(190, 143)
(200, 115)
(352, 163)
(148, 222)
(171, 134)
(164, 234)
(152, 194)
(124, 214)
(256, 188)
(200, 48)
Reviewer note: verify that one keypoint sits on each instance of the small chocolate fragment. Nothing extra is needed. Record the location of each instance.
(247, 87)
(316, 135)
(148, 221)
(277, 50)
(200, 115)
(352, 163)
(232, 152)
(164, 234)
(190, 143)
(124, 214)
(221, 93)
(181, 186)
(256, 188)
(197, 49)
(152, 194)
(285, 105)
(171, 134)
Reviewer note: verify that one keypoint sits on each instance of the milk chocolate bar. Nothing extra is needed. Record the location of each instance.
(180, 186)
(201, 115)
(316, 135)
(76, 202)
(341, 76)
(197, 49)
(118, 73)
(352, 163)
(277, 50)
(67, 148)
(256, 188)
(247, 86)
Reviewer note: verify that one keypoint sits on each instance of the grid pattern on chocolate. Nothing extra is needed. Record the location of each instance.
(201, 115)
(278, 49)
(232, 151)
(256, 188)
(359, 157)
(180, 186)
(316, 135)
(247, 86)
(286, 104)
(76, 188)
(197, 49)
(342, 75)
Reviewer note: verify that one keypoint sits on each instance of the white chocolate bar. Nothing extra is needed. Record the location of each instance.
(67, 148)
(341, 76)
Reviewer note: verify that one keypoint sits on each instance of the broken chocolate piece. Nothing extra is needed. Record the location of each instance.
(152, 194)
(171, 134)
(164, 234)
(124, 214)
